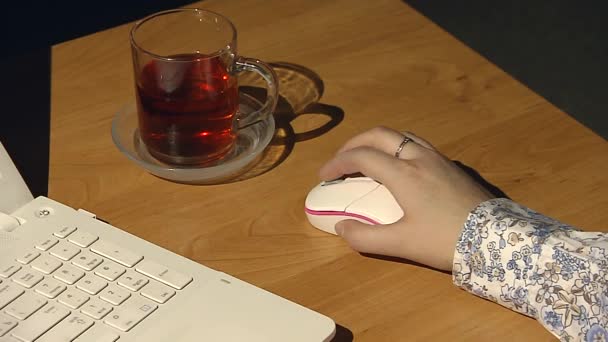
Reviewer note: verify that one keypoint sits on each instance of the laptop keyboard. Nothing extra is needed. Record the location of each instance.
(73, 286)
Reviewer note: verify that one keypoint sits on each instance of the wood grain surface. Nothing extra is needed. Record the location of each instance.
(374, 63)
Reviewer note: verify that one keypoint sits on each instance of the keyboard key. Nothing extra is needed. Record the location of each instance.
(133, 281)
(91, 284)
(64, 231)
(27, 278)
(8, 293)
(87, 260)
(28, 257)
(46, 244)
(109, 270)
(9, 338)
(82, 239)
(69, 274)
(24, 306)
(98, 333)
(73, 298)
(114, 294)
(68, 329)
(163, 274)
(157, 292)
(8, 270)
(40, 322)
(6, 324)
(125, 317)
(50, 288)
(116, 253)
(46, 264)
(65, 250)
(96, 308)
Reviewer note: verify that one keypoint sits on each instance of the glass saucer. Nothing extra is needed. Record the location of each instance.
(251, 142)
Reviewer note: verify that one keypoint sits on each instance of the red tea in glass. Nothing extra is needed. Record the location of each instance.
(190, 114)
(186, 67)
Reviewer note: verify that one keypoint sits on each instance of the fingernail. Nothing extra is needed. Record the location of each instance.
(339, 228)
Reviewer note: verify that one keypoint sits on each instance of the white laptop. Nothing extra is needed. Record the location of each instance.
(66, 276)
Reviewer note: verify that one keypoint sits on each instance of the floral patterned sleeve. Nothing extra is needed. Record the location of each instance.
(537, 266)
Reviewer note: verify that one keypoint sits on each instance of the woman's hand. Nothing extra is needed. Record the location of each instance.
(435, 194)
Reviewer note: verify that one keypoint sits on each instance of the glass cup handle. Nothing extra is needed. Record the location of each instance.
(272, 90)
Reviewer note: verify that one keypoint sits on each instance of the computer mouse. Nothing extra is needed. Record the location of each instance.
(358, 198)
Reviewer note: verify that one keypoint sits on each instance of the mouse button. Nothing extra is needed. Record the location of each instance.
(379, 205)
(337, 196)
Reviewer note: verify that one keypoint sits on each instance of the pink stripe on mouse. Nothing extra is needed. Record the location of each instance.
(339, 213)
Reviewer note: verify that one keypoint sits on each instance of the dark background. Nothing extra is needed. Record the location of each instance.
(27, 32)
(557, 48)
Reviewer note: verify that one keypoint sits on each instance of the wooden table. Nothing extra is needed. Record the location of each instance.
(381, 63)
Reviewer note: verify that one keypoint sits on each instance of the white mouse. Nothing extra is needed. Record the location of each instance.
(360, 198)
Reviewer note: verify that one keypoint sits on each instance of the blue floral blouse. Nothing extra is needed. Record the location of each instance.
(535, 265)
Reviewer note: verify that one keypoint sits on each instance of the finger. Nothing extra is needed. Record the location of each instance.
(365, 238)
(381, 138)
(386, 140)
(366, 160)
(418, 140)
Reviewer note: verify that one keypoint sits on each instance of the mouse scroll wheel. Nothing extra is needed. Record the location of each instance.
(332, 182)
(348, 177)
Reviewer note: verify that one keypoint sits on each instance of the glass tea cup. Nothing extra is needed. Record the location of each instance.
(186, 66)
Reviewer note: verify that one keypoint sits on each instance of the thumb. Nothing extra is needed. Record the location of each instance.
(374, 239)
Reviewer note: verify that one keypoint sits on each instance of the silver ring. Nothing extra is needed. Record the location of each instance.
(400, 148)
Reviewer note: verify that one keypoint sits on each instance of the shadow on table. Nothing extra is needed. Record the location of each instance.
(300, 90)
(342, 334)
(493, 189)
